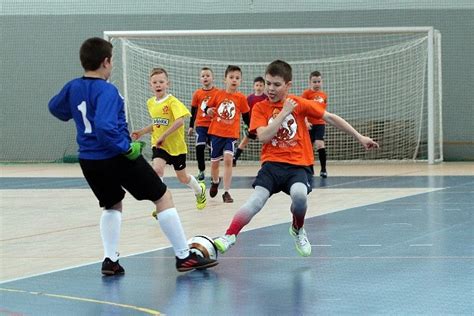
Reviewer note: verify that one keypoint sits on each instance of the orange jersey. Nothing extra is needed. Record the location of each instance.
(321, 98)
(199, 101)
(227, 110)
(291, 144)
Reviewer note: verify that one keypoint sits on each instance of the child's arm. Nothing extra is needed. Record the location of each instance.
(344, 126)
(192, 120)
(59, 107)
(266, 133)
(139, 133)
(176, 124)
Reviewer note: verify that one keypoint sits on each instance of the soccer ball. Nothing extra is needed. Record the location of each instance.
(203, 246)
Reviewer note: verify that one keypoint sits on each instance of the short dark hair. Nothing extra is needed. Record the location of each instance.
(259, 79)
(231, 68)
(280, 68)
(93, 52)
(207, 68)
(314, 74)
(157, 71)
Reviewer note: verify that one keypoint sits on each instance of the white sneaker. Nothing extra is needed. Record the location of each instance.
(223, 243)
(301, 241)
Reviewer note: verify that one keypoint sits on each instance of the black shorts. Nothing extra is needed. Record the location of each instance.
(178, 162)
(277, 176)
(317, 132)
(109, 177)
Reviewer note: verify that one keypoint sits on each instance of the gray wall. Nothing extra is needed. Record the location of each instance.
(39, 53)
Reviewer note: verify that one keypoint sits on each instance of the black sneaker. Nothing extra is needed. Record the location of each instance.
(193, 261)
(227, 198)
(323, 174)
(214, 188)
(111, 268)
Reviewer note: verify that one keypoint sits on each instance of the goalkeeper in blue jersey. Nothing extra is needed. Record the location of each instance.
(111, 162)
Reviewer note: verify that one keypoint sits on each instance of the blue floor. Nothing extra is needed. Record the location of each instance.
(408, 256)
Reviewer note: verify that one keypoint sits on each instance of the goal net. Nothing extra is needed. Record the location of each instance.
(386, 82)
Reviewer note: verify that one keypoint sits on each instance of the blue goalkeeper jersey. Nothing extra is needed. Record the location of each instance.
(98, 111)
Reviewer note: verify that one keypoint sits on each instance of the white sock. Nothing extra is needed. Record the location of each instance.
(194, 185)
(171, 226)
(110, 223)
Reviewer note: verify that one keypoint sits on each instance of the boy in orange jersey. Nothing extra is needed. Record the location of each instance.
(199, 120)
(317, 127)
(225, 108)
(287, 155)
(252, 99)
(167, 134)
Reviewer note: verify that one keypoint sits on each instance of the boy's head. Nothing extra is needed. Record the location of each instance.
(278, 76)
(258, 85)
(206, 77)
(233, 78)
(95, 53)
(159, 81)
(315, 80)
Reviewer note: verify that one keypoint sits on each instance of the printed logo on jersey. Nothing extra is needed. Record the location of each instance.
(160, 121)
(226, 112)
(287, 131)
(204, 105)
(319, 99)
(165, 110)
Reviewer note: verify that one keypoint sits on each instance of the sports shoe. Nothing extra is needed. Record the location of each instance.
(193, 261)
(323, 174)
(301, 241)
(223, 243)
(111, 268)
(201, 197)
(200, 176)
(214, 188)
(227, 198)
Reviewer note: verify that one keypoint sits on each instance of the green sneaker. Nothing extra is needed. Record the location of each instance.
(223, 243)
(301, 241)
(201, 197)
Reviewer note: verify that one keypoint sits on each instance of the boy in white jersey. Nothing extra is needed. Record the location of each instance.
(167, 134)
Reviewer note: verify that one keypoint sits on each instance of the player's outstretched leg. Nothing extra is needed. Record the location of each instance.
(223, 243)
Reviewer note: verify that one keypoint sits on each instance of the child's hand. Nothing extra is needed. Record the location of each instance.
(289, 105)
(210, 112)
(190, 131)
(135, 135)
(368, 143)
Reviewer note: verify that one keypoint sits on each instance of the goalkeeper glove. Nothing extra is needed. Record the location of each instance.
(135, 150)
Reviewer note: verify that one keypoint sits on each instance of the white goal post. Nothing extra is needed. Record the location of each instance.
(385, 81)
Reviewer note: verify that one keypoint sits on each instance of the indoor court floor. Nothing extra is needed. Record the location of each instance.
(387, 239)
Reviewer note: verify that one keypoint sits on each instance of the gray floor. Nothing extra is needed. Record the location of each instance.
(407, 256)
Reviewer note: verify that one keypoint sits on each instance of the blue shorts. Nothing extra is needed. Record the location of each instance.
(278, 176)
(317, 132)
(221, 146)
(202, 136)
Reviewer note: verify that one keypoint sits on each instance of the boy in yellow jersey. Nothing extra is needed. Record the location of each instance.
(167, 134)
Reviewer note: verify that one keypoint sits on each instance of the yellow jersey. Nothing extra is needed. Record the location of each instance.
(163, 113)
